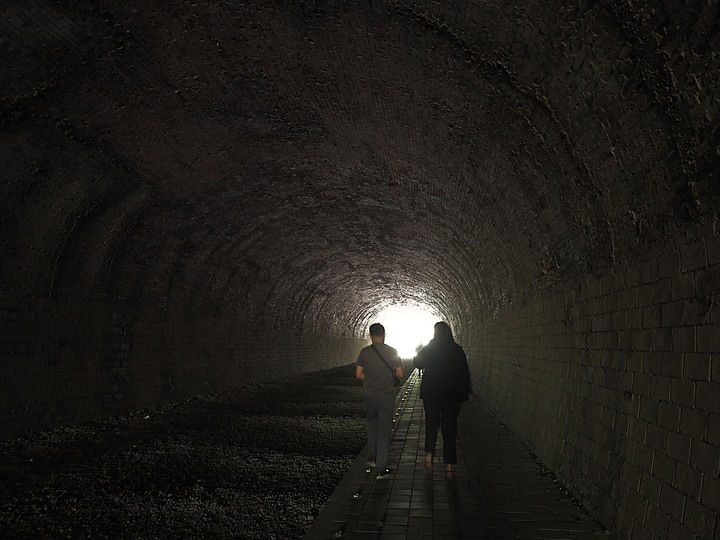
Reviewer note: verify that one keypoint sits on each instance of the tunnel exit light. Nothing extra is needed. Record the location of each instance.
(407, 327)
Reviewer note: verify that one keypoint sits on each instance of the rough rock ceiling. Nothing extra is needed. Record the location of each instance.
(304, 164)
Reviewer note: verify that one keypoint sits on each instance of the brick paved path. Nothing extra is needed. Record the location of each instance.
(500, 492)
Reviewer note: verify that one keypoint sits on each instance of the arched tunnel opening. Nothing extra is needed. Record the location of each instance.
(200, 196)
(408, 327)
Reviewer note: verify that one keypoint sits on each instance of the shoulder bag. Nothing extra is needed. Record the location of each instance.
(395, 378)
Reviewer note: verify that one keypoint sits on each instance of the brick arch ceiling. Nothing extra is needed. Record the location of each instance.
(305, 164)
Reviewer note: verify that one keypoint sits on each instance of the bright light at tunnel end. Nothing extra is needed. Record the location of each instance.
(407, 328)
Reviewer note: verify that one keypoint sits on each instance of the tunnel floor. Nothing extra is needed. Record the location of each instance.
(501, 491)
(281, 460)
(253, 463)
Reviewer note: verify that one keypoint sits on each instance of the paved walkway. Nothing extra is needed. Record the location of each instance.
(500, 491)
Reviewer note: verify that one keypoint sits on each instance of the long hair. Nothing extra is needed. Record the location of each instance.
(442, 331)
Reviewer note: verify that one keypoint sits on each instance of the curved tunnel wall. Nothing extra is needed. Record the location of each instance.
(202, 195)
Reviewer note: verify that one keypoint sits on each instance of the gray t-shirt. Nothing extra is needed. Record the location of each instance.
(378, 378)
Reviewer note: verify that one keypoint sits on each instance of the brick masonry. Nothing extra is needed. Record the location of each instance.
(66, 363)
(615, 384)
(178, 182)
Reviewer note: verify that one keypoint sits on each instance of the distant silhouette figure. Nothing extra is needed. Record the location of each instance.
(375, 365)
(445, 385)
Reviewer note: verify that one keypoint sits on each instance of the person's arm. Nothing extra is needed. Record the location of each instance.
(400, 367)
(468, 380)
(360, 367)
(419, 360)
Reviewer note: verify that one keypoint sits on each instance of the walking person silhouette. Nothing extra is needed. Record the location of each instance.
(375, 365)
(445, 385)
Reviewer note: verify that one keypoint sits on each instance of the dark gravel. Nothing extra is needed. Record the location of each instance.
(254, 463)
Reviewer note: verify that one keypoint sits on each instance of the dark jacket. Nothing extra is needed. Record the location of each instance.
(446, 377)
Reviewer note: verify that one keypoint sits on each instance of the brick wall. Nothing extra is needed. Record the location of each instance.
(615, 384)
(64, 363)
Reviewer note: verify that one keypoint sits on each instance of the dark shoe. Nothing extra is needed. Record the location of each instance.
(384, 475)
(450, 473)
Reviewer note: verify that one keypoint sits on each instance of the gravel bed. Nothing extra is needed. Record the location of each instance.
(258, 462)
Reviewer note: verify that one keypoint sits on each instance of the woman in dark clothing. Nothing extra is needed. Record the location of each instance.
(445, 385)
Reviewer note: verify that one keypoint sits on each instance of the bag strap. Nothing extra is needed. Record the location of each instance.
(382, 358)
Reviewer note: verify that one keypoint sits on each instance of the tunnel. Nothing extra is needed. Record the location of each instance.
(198, 195)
